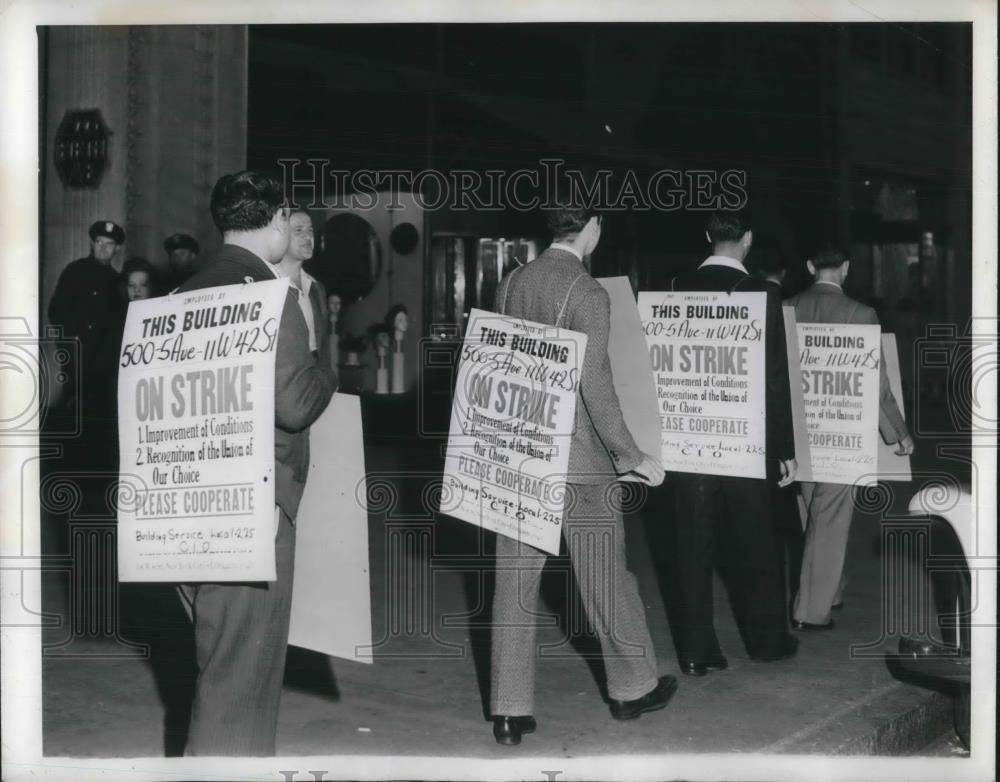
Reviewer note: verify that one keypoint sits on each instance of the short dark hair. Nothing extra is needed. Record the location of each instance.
(567, 220)
(726, 226)
(138, 264)
(245, 201)
(829, 257)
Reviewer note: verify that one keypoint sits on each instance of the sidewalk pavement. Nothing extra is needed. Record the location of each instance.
(426, 692)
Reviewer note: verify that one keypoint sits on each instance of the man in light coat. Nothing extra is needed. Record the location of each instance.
(556, 289)
(830, 506)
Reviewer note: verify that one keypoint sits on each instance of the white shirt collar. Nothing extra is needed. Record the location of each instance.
(724, 260)
(307, 281)
(566, 248)
(830, 282)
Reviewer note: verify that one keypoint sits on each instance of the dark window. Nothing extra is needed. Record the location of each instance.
(901, 40)
(932, 62)
(866, 42)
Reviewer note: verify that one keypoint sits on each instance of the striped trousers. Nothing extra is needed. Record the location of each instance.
(595, 538)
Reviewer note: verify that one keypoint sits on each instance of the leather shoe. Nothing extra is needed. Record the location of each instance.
(508, 730)
(837, 606)
(809, 627)
(694, 668)
(653, 700)
(791, 646)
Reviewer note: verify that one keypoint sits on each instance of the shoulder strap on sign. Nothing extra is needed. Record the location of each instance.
(502, 308)
(562, 309)
(854, 308)
(736, 284)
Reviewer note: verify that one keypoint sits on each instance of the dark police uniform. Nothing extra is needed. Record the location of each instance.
(88, 305)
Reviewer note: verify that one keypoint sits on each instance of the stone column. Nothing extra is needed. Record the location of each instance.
(85, 70)
(187, 110)
(175, 101)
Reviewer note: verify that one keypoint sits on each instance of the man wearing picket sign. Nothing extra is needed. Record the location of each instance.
(241, 629)
(555, 289)
(830, 506)
(731, 513)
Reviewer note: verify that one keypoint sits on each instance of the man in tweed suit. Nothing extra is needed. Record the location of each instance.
(241, 629)
(732, 511)
(830, 506)
(555, 289)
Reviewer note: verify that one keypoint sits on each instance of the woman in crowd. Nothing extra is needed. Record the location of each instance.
(138, 279)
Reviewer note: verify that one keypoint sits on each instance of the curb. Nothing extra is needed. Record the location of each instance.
(908, 731)
(897, 720)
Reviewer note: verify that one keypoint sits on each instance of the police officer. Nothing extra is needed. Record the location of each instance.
(88, 306)
(182, 252)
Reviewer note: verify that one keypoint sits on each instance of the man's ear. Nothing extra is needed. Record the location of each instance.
(707, 237)
(845, 267)
(811, 268)
(747, 240)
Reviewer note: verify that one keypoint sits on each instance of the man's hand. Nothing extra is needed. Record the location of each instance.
(905, 446)
(648, 471)
(788, 468)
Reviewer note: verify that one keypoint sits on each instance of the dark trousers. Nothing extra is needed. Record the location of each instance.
(731, 517)
(790, 535)
(241, 636)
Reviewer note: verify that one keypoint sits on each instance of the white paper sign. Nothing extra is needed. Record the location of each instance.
(196, 430)
(891, 465)
(799, 431)
(839, 370)
(707, 353)
(331, 594)
(630, 366)
(512, 420)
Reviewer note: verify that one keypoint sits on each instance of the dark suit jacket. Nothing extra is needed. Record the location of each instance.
(601, 444)
(302, 388)
(321, 322)
(780, 441)
(826, 303)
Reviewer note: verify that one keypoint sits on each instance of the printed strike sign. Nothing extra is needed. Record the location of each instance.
(196, 430)
(839, 366)
(799, 431)
(511, 422)
(707, 354)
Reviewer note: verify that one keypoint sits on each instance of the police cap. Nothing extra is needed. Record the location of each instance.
(180, 242)
(108, 229)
